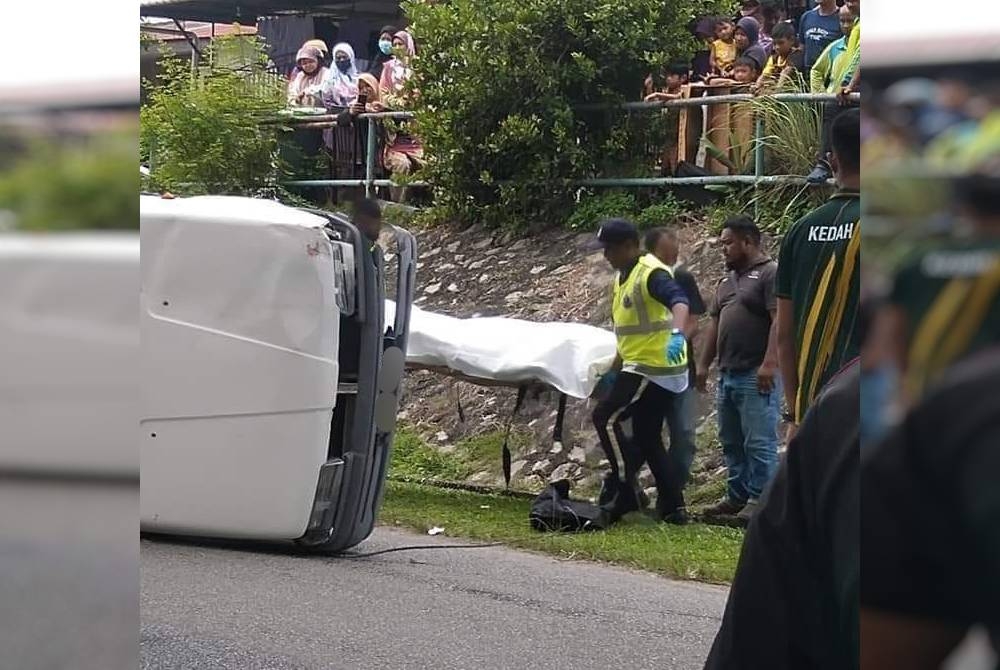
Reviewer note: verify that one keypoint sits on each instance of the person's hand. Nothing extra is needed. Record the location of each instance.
(843, 96)
(790, 432)
(376, 106)
(605, 383)
(356, 109)
(652, 97)
(701, 381)
(765, 377)
(675, 348)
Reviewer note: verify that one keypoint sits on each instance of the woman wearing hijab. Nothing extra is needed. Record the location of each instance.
(748, 41)
(305, 88)
(341, 85)
(403, 152)
(396, 71)
(384, 52)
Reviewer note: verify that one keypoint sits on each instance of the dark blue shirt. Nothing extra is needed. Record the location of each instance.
(661, 286)
(815, 33)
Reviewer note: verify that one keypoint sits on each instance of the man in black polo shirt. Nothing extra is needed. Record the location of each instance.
(742, 332)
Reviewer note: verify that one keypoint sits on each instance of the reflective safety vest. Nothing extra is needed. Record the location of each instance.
(642, 323)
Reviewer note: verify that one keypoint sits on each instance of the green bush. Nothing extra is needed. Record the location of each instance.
(201, 131)
(500, 87)
(593, 208)
(661, 213)
(91, 184)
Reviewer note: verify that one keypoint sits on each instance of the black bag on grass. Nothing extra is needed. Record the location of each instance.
(553, 510)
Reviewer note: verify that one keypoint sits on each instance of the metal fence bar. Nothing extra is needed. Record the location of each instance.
(758, 177)
(685, 102)
(596, 182)
(370, 159)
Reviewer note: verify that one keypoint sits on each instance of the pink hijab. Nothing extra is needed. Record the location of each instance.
(395, 72)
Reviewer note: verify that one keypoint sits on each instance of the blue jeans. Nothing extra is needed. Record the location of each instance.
(680, 425)
(748, 430)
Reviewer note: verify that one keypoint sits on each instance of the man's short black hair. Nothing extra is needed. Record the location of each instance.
(748, 62)
(783, 31)
(743, 226)
(368, 207)
(653, 236)
(845, 138)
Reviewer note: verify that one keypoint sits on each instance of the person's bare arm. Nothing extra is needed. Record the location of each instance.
(691, 329)
(680, 312)
(787, 351)
(890, 641)
(708, 352)
(769, 367)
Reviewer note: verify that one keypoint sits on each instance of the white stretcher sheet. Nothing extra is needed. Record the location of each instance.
(567, 356)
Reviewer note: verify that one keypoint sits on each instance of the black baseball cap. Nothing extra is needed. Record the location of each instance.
(615, 231)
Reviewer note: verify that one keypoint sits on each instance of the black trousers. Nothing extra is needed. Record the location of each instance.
(643, 404)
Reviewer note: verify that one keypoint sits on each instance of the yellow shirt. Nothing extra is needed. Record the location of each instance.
(724, 54)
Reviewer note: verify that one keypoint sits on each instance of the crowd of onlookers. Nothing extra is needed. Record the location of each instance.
(761, 49)
(764, 49)
(330, 79)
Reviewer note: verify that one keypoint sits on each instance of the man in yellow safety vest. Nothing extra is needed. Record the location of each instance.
(649, 309)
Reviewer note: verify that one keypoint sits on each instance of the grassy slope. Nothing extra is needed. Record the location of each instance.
(697, 552)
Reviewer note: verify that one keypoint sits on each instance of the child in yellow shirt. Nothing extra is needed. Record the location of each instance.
(723, 53)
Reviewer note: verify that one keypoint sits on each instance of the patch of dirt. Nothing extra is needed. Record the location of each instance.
(549, 276)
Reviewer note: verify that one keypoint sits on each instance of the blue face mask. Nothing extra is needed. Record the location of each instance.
(385, 46)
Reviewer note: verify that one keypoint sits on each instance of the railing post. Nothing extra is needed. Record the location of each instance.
(370, 158)
(758, 162)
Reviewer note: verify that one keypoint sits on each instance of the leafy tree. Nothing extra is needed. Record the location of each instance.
(201, 132)
(502, 88)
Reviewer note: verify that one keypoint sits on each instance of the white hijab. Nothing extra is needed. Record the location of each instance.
(340, 88)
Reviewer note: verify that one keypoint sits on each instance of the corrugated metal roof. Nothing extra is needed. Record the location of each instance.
(248, 11)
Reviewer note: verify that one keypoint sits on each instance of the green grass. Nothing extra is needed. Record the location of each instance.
(696, 552)
(412, 456)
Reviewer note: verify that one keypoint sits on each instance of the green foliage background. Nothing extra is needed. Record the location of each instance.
(201, 133)
(89, 183)
(500, 87)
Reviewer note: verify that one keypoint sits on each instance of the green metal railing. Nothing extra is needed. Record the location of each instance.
(758, 177)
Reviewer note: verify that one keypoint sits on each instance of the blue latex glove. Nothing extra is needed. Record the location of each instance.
(675, 348)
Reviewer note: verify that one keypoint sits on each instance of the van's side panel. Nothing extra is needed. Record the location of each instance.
(239, 327)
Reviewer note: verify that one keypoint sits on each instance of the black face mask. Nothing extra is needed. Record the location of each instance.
(343, 65)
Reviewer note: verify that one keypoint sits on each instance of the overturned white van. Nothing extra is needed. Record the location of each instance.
(269, 379)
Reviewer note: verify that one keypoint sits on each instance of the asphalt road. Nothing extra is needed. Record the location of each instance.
(207, 606)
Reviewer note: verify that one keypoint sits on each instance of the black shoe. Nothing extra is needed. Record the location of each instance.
(820, 174)
(725, 507)
(643, 498)
(679, 517)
